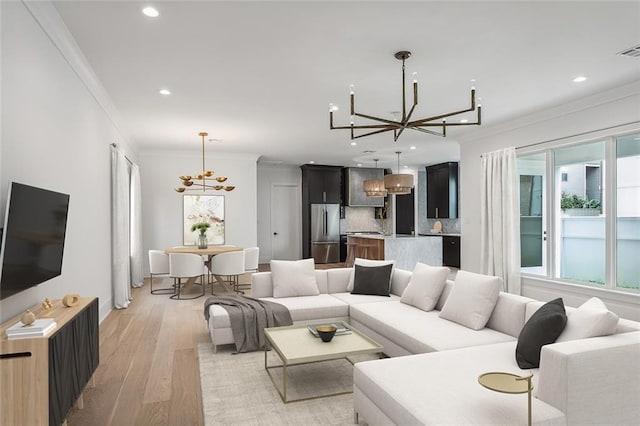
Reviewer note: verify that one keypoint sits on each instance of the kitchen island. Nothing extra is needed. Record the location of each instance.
(406, 250)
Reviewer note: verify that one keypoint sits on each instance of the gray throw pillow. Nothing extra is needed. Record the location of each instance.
(372, 280)
(543, 328)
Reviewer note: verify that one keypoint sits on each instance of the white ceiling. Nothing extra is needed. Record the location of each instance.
(259, 75)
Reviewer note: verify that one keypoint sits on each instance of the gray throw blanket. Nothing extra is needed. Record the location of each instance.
(249, 317)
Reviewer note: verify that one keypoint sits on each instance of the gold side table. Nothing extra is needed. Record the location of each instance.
(509, 383)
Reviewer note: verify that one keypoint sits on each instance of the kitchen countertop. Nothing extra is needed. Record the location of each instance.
(435, 234)
(389, 237)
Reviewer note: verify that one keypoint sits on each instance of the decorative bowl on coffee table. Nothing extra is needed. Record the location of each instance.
(326, 332)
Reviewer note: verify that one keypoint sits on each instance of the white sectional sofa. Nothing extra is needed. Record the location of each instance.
(431, 377)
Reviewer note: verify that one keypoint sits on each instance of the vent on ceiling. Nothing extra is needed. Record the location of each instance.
(368, 151)
(633, 52)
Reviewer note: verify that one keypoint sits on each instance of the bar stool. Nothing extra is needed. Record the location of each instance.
(368, 251)
(351, 254)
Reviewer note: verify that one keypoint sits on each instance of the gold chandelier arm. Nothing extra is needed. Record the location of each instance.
(405, 121)
(372, 133)
(431, 132)
(438, 117)
(396, 134)
(382, 120)
(366, 126)
(477, 122)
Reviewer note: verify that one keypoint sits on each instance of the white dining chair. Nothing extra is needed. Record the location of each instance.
(159, 266)
(229, 264)
(185, 265)
(251, 256)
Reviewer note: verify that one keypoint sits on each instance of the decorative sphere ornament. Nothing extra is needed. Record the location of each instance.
(28, 317)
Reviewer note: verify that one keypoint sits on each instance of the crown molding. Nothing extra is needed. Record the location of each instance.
(629, 89)
(182, 153)
(49, 20)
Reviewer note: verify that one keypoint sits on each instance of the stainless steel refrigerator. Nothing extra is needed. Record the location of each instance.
(325, 233)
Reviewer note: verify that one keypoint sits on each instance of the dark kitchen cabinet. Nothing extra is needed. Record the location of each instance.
(442, 191)
(320, 184)
(451, 251)
(323, 183)
(405, 214)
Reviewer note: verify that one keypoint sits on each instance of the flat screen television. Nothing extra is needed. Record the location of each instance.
(33, 239)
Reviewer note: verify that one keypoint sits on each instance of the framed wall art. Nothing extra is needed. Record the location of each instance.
(203, 208)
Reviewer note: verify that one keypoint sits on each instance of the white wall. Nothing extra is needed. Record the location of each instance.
(56, 135)
(162, 206)
(614, 107)
(269, 175)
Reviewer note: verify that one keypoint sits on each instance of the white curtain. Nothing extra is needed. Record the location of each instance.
(500, 218)
(136, 228)
(120, 266)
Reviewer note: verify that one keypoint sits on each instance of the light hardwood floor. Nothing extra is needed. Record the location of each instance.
(148, 372)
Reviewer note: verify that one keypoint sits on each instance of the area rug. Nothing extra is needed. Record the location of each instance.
(236, 390)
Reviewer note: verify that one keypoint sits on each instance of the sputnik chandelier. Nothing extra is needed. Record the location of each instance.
(405, 123)
(203, 181)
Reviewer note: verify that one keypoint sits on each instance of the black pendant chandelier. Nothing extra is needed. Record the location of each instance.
(387, 125)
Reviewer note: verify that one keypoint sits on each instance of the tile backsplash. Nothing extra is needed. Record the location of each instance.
(362, 219)
(449, 226)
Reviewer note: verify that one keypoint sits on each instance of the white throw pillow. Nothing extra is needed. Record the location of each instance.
(294, 278)
(367, 262)
(425, 286)
(591, 319)
(472, 299)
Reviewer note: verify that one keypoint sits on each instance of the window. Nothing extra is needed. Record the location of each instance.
(572, 228)
(532, 219)
(579, 222)
(628, 212)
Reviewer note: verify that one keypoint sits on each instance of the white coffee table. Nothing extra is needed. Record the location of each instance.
(295, 345)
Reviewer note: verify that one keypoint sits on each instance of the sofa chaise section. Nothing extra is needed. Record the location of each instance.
(441, 388)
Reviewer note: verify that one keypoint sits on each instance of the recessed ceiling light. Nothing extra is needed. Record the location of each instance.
(412, 147)
(354, 143)
(150, 12)
(312, 162)
(464, 120)
(165, 92)
(359, 164)
(579, 79)
(406, 167)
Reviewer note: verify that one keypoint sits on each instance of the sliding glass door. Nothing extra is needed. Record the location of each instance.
(533, 230)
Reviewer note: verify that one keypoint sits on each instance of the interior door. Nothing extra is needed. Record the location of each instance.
(285, 222)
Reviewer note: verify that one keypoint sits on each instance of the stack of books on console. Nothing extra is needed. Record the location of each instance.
(39, 328)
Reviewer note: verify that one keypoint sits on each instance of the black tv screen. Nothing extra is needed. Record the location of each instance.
(33, 237)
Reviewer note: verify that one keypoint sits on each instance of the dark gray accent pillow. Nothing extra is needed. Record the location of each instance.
(372, 280)
(543, 328)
